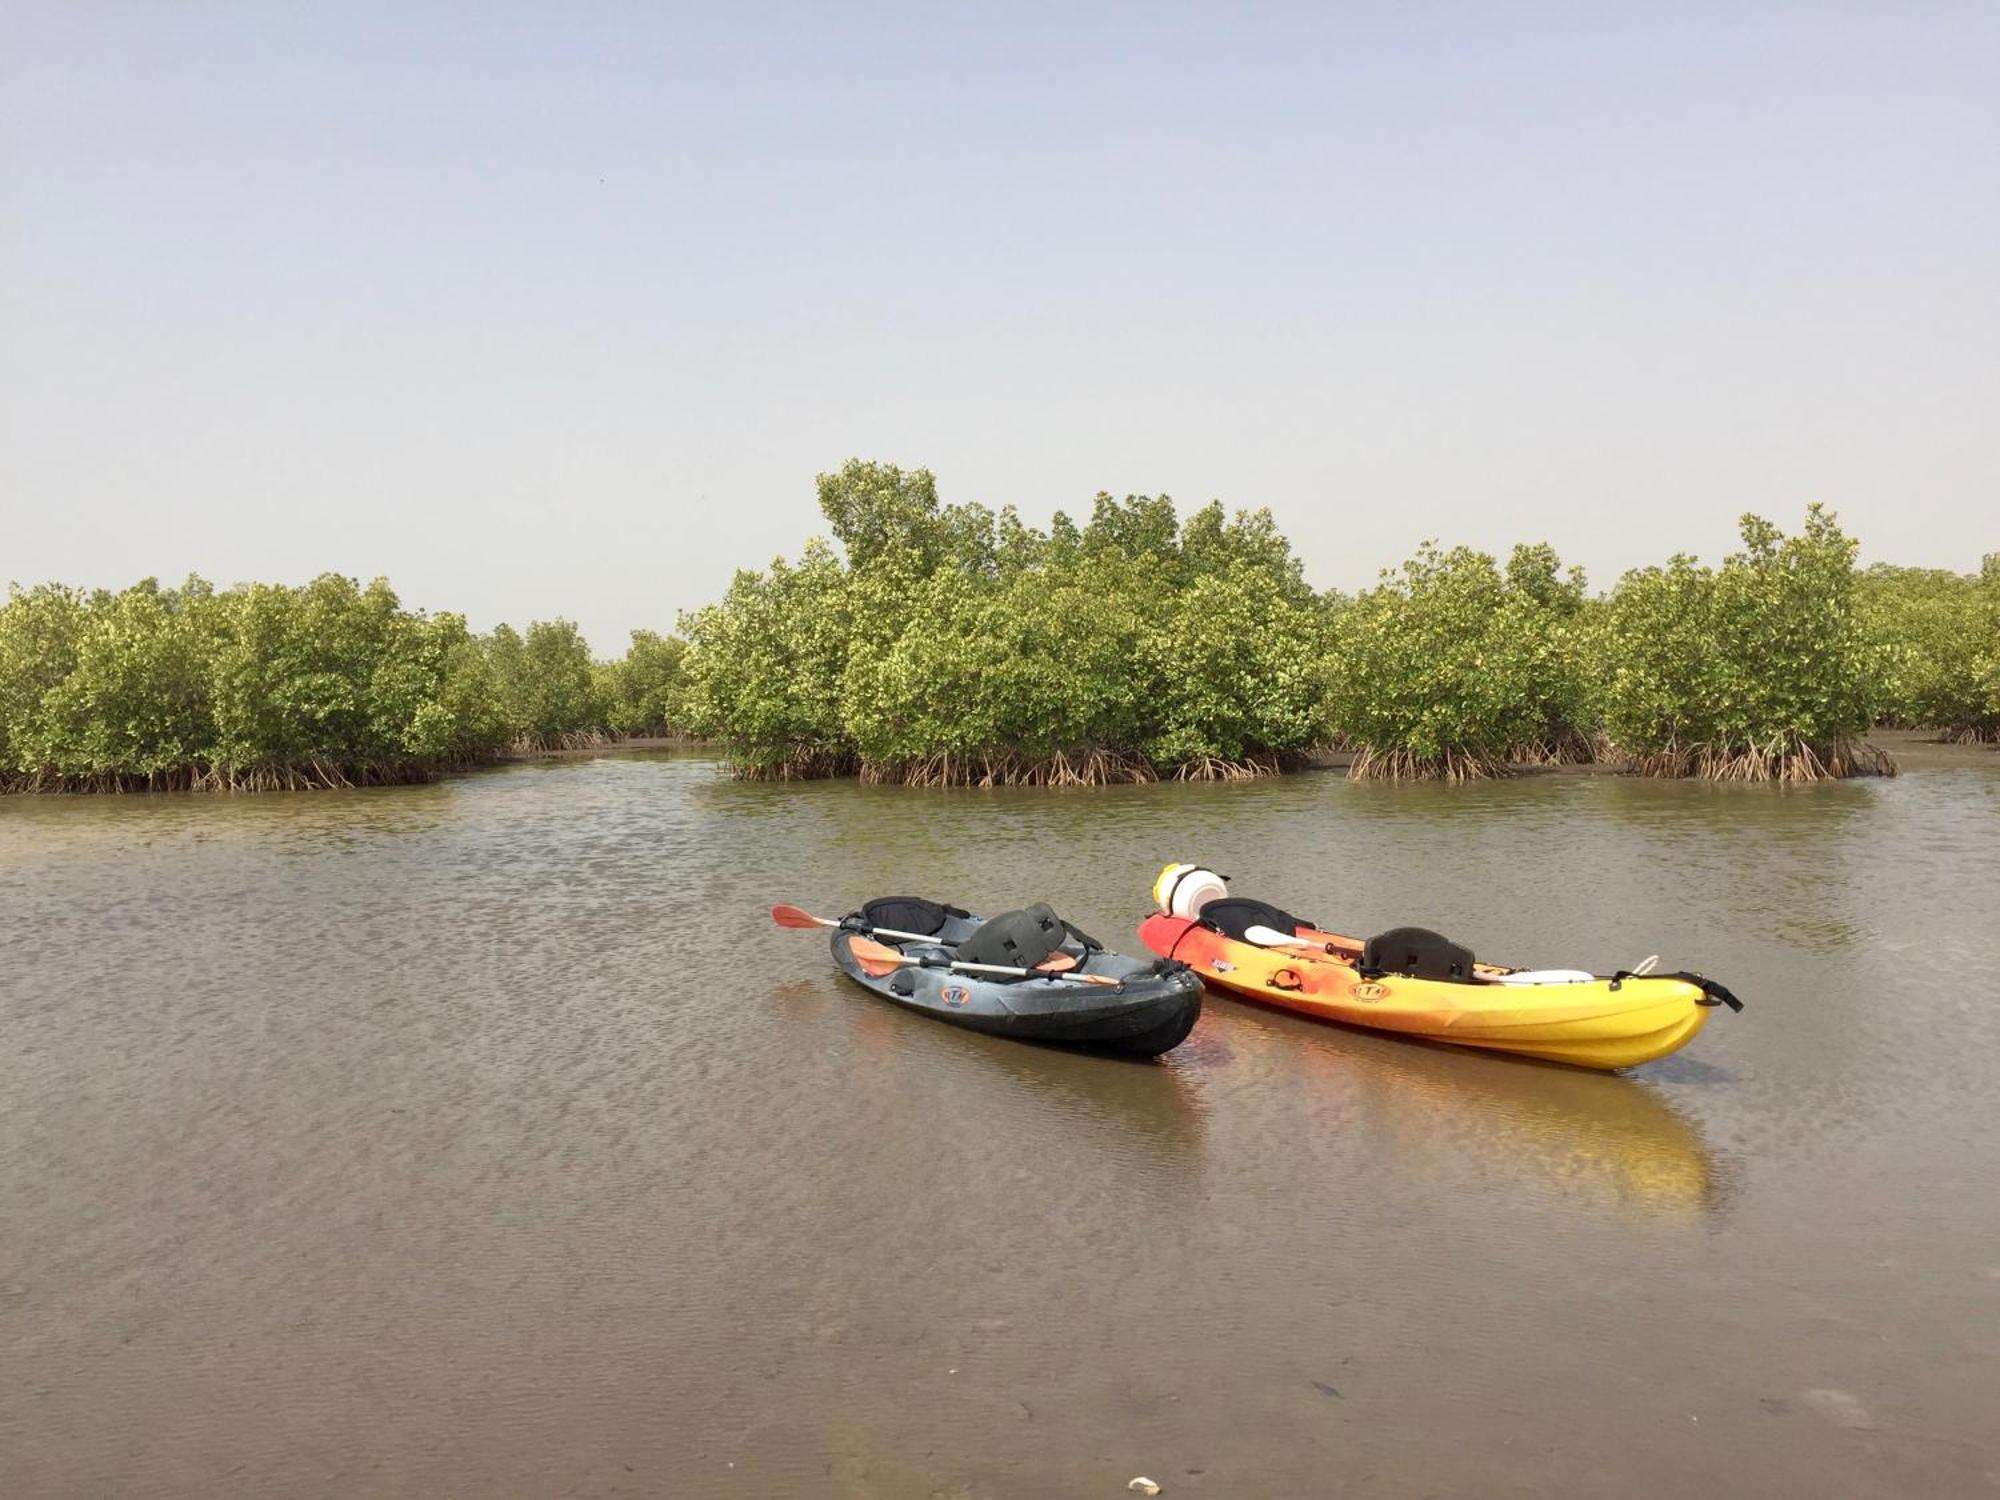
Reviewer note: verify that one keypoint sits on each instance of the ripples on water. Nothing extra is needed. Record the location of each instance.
(487, 1138)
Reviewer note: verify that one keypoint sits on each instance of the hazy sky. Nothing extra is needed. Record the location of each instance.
(557, 309)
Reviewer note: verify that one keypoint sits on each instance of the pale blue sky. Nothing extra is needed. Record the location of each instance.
(557, 309)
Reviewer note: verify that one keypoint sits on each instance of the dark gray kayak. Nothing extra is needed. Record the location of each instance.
(1151, 1006)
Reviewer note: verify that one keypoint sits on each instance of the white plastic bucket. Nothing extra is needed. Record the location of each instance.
(1183, 890)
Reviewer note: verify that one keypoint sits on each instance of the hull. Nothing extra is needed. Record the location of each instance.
(1149, 1013)
(1602, 1024)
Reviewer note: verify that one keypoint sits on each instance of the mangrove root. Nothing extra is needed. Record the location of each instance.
(803, 764)
(528, 746)
(306, 776)
(1791, 762)
(1010, 768)
(1983, 733)
(1406, 765)
(1568, 748)
(1217, 768)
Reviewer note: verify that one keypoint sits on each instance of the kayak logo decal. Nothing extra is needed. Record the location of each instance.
(955, 994)
(1369, 990)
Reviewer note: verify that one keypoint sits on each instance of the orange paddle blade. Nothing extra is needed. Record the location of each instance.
(791, 916)
(875, 959)
(1056, 963)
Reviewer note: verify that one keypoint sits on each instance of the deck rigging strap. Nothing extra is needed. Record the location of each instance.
(1713, 991)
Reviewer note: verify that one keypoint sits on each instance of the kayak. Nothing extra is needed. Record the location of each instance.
(1074, 994)
(1416, 983)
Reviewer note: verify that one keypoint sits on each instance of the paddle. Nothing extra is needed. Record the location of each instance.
(1270, 937)
(1053, 967)
(791, 916)
(877, 960)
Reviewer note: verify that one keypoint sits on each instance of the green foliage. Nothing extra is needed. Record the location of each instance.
(1556, 627)
(644, 693)
(1450, 668)
(998, 681)
(956, 645)
(877, 508)
(1137, 529)
(343, 679)
(764, 667)
(138, 696)
(259, 686)
(39, 631)
(1212, 544)
(548, 689)
(322, 685)
(1937, 637)
(1760, 669)
(464, 722)
(1987, 667)
(1659, 656)
(1234, 668)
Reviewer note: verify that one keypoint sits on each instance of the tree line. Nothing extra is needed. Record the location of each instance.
(947, 644)
(953, 645)
(941, 644)
(265, 686)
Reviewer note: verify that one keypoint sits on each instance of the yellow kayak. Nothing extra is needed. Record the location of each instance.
(1417, 984)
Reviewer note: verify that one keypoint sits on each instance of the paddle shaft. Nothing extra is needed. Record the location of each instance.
(792, 918)
(875, 953)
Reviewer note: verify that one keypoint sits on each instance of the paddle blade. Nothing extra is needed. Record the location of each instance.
(1270, 937)
(876, 959)
(1063, 966)
(791, 916)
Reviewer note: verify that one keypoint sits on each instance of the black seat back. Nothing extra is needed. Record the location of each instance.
(1016, 939)
(1234, 916)
(908, 914)
(1417, 953)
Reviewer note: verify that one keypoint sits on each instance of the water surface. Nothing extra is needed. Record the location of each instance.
(486, 1138)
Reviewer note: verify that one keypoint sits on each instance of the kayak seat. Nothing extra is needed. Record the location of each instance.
(1417, 953)
(909, 914)
(1234, 916)
(1015, 939)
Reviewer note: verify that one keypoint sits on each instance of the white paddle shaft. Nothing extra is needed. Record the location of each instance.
(1102, 981)
(889, 932)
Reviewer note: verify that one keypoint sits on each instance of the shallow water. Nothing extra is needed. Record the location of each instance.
(486, 1138)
